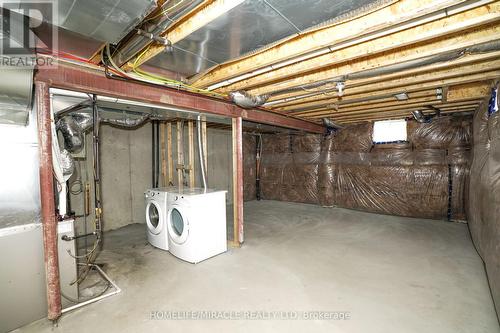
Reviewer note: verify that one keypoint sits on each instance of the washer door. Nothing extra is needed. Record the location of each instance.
(154, 217)
(178, 225)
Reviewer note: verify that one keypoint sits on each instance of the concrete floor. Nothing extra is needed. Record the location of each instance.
(391, 274)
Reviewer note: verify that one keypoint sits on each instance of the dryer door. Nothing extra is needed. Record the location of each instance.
(178, 224)
(154, 217)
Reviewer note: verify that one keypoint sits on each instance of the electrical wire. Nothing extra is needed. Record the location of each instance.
(164, 12)
(153, 78)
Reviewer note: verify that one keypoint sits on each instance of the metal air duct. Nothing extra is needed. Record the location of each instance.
(246, 100)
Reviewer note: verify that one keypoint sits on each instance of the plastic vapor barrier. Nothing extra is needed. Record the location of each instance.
(424, 177)
(484, 194)
(249, 164)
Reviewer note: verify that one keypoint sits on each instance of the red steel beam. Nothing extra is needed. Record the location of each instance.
(49, 222)
(92, 81)
(237, 130)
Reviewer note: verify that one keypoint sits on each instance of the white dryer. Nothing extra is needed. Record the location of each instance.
(156, 214)
(196, 223)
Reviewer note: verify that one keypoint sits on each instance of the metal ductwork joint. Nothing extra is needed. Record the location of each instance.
(331, 126)
(16, 85)
(246, 100)
(127, 122)
(67, 163)
(72, 133)
(420, 117)
(74, 125)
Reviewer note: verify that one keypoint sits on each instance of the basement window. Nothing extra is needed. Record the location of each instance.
(388, 131)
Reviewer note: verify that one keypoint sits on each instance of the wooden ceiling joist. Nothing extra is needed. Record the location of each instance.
(463, 61)
(410, 46)
(295, 107)
(401, 114)
(357, 121)
(417, 106)
(305, 71)
(489, 34)
(438, 79)
(328, 99)
(395, 17)
(375, 106)
(469, 90)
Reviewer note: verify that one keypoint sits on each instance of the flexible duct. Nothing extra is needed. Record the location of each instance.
(72, 133)
(331, 125)
(246, 100)
(420, 117)
(128, 122)
(73, 127)
(201, 153)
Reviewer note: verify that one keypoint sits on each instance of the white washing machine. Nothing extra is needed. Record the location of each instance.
(156, 215)
(196, 223)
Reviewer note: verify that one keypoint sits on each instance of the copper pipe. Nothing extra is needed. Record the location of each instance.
(49, 222)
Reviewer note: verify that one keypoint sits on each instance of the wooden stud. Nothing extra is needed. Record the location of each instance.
(180, 154)
(170, 158)
(164, 180)
(191, 153)
(204, 142)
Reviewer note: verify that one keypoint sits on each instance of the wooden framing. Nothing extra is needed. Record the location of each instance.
(204, 142)
(180, 154)
(164, 180)
(424, 82)
(399, 47)
(191, 153)
(382, 21)
(170, 159)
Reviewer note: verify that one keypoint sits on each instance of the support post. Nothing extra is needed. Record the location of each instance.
(49, 222)
(237, 131)
(191, 152)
